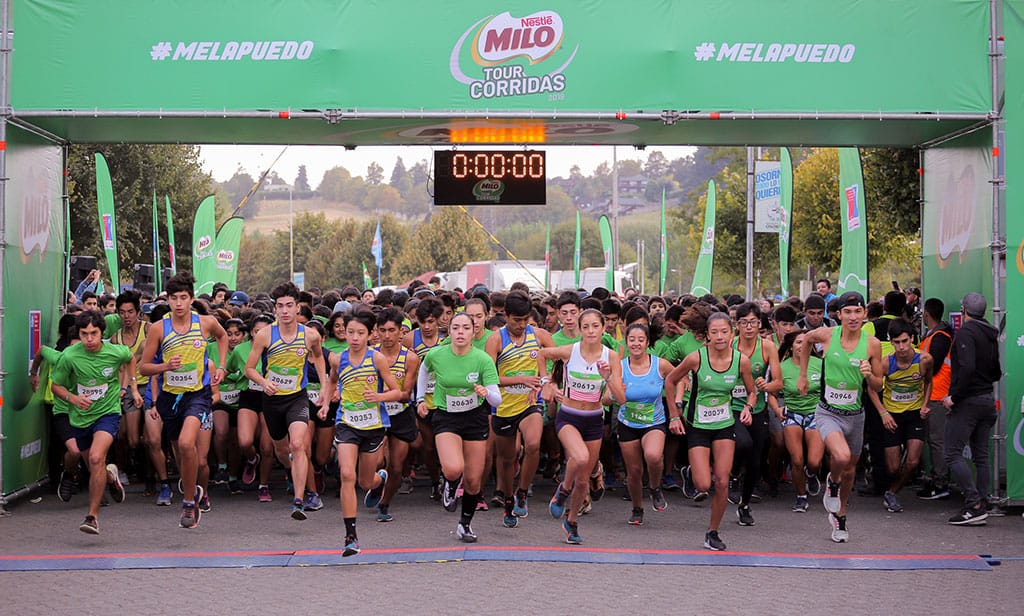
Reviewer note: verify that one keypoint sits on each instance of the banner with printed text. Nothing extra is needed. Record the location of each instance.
(33, 262)
(1013, 384)
(204, 246)
(108, 221)
(706, 258)
(802, 55)
(229, 241)
(853, 220)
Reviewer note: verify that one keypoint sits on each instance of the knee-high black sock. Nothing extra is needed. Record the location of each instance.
(469, 502)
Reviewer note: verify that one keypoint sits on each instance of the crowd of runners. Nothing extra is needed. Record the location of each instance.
(358, 393)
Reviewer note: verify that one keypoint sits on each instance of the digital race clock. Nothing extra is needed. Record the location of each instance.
(489, 177)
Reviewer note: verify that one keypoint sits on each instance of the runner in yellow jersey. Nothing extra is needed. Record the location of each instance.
(514, 350)
(284, 348)
(132, 335)
(905, 390)
(176, 350)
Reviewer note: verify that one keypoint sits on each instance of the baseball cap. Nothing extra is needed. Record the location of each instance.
(148, 307)
(814, 302)
(238, 298)
(851, 298)
(342, 306)
(974, 304)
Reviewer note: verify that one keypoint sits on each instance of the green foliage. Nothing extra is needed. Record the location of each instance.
(301, 181)
(137, 170)
(446, 242)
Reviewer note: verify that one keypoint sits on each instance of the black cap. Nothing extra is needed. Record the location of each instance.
(851, 298)
(814, 302)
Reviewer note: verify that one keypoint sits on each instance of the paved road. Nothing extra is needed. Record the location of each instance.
(240, 524)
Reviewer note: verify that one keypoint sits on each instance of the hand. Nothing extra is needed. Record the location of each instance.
(676, 427)
(780, 412)
(174, 363)
(926, 410)
(745, 417)
(372, 396)
(480, 390)
(154, 414)
(137, 398)
(684, 384)
(604, 370)
(865, 368)
(530, 381)
(269, 388)
(217, 376)
(33, 380)
(322, 413)
(760, 383)
(547, 392)
(888, 422)
(421, 409)
(801, 385)
(94, 275)
(947, 402)
(80, 402)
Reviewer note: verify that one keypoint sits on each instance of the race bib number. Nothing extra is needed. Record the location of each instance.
(430, 384)
(740, 391)
(461, 404)
(361, 415)
(313, 394)
(394, 408)
(254, 386)
(186, 377)
(640, 412)
(903, 396)
(229, 396)
(713, 414)
(584, 387)
(518, 389)
(845, 397)
(92, 393)
(285, 379)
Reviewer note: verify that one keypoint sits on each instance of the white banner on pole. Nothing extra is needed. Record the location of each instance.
(767, 193)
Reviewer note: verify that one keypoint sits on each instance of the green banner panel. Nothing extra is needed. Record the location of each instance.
(204, 246)
(797, 55)
(853, 267)
(706, 259)
(33, 260)
(229, 240)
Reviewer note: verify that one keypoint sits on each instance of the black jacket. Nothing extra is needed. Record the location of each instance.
(975, 360)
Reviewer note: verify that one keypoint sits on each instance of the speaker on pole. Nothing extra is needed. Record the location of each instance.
(81, 265)
(165, 276)
(143, 279)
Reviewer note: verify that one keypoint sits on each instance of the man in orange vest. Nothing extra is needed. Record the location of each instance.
(937, 341)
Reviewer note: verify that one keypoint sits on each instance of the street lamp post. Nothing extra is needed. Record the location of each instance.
(291, 238)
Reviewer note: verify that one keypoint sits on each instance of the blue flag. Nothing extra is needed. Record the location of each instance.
(377, 248)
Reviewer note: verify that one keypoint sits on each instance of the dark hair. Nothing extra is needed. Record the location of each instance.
(385, 298)
(935, 308)
(717, 316)
(590, 303)
(674, 312)
(362, 316)
(495, 322)
(306, 312)
(601, 293)
(428, 307)
(261, 318)
(129, 297)
(784, 313)
(484, 298)
(88, 295)
(641, 327)
(898, 327)
(182, 281)
(520, 286)
(159, 312)
(567, 297)
(461, 314)
(695, 318)
(659, 299)
(498, 300)
(894, 302)
(610, 306)
(318, 326)
(478, 301)
(593, 311)
(786, 346)
(322, 311)
(200, 307)
(449, 300)
(748, 308)
(517, 304)
(874, 310)
(635, 314)
(390, 315)
(825, 280)
(90, 317)
(285, 289)
(238, 323)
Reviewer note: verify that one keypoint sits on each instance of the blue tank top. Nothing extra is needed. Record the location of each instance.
(643, 407)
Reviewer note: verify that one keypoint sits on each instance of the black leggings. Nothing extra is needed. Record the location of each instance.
(750, 442)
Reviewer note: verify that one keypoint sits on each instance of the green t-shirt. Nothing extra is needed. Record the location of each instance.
(685, 344)
(113, 323)
(51, 356)
(795, 401)
(663, 349)
(334, 345)
(455, 375)
(95, 376)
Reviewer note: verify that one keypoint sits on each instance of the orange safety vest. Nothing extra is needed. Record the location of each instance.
(940, 382)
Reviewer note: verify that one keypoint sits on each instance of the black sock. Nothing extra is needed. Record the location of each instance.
(520, 493)
(469, 502)
(350, 527)
(509, 503)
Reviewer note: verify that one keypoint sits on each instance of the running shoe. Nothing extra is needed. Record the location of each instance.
(204, 503)
(90, 525)
(383, 515)
(521, 509)
(297, 512)
(700, 497)
(123, 476)
(933, 492)
(689, 490)
(557, 505)
(529, 490)
(66, 487)
(448, 494)
(801, 504)
(114, 484)
(189, 516)
(838, 525)
(498, 499)
(831, 500)
(746, 518)
(509, 520)
(481, 505)
(249, 470)
(200, 494)
(313, 502)
(351, 546)
(263, 494)
(658, 499)
(465, 533)
(220, 478)
(572, 532)
(735, 490)
(637, 517)
(892, 504)
(435, 491)
(234, 486)
(969, 516)
(597, 484)
(713, 542)
(181, 486)
(373, 495)
(406, 487)
(164, 499)
(668, 482)
(813, 483)
(586, 506)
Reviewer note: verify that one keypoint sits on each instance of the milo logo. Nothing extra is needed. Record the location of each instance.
(35, 216)
(489, 190)
(225, 256)
(505, 49)
(203, 245)
(709, 241)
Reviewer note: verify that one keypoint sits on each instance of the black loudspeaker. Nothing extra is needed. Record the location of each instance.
(143, 280)
(80, 268)
(165, 276)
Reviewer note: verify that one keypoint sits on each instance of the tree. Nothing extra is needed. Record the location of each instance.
(382, 198)
(445, 243)
(136, 171)
(656, 165)
(237, 188)
(339, 259)
(374, 174)
(401, 180)
(301, 181)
